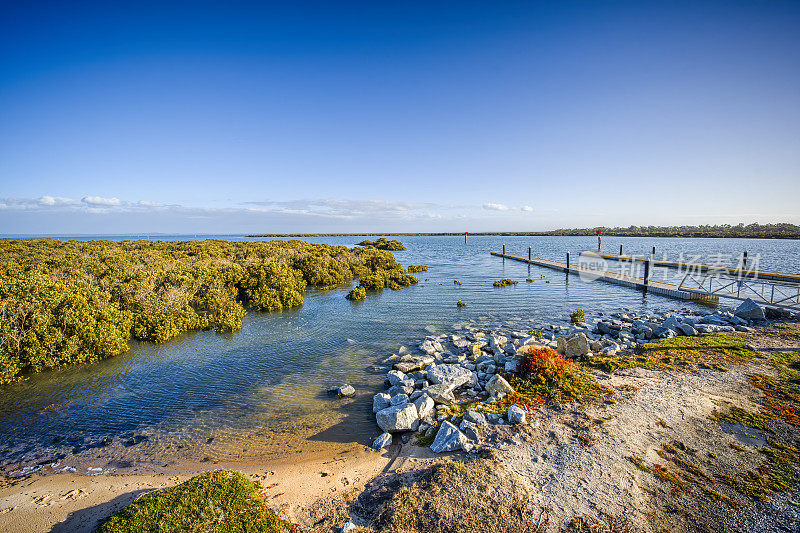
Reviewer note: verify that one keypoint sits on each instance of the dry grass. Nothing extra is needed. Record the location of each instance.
(461, 497)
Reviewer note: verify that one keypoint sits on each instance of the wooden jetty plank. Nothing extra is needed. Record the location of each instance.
(697, 267)
(656, 287)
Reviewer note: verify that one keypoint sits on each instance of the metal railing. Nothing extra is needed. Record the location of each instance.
(762, 291)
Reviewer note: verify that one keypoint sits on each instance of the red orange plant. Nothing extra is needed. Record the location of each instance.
(545, 365)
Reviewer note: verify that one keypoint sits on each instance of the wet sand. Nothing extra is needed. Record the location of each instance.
(75, 502)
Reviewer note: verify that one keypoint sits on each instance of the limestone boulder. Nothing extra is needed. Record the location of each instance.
(398, 418)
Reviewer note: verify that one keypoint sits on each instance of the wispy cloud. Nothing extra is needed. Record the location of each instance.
(100, 201)
(526, 208)
(495, 207)
(335, 208)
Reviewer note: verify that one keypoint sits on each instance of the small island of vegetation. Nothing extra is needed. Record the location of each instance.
(384, 244)
(76, 302)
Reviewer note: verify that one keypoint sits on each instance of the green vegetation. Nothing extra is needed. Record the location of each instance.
(384, 244)
(529, 280)
(777, 473)
(639, 463)
(358, 293)
(460, 304)
(780, 404)
(663, 473)
(536, 334)
(737, 415)
(504, 283)
(712, 351)
(418, 268)
(577, 316)
(781, 393)
(77, 302)
(456, 282)
(220, 501)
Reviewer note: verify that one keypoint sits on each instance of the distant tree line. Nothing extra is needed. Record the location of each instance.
(741, 231)
(74, 302)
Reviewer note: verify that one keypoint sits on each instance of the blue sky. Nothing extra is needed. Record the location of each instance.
(380, 116)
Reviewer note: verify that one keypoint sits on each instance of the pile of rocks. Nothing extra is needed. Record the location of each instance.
(466, 367)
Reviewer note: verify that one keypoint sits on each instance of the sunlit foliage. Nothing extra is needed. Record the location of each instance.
(384, 244)
(75, 302)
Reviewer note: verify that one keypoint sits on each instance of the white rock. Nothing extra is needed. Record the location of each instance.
(395, 377)
(348, 527)
(516, 415)
(345, 391)
(384, 440)
(424, 405)
(400, 399)
(380, 402)
(576, 345)
(498, 385)
(449, 374)
(448, 439)
(398, 418)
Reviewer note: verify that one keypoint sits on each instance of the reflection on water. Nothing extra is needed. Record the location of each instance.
(261, 392)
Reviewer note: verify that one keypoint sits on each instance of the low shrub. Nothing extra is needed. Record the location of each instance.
(545, 365)
(358, 293)
(418, 268)
(504, 283)
(460, 304)
(215, 501)
(577, 316)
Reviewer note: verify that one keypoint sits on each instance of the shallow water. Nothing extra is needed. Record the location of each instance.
(261, 392)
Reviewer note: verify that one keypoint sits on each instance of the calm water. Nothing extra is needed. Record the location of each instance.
(260, 392)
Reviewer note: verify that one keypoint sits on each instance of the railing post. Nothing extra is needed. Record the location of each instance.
(654, 251)
(529, 253)
(504, 249)
(646, 273)
(568, 262)
(744, 260)
(620, 249)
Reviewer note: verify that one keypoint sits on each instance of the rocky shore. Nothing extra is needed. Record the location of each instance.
(427, 389)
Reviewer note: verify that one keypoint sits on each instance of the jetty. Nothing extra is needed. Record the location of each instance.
(741, 273)
(646, 285)
(706, 286)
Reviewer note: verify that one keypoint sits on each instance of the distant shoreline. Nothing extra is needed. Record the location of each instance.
(525, 234)
(781, 230)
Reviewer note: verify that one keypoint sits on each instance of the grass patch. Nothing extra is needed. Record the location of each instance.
(662, 473)
(777, 473)
(669, 453)
(737, 415)
(713, 351)
(718, 496)
(215, 501)
(639, 463)
(781, 393)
